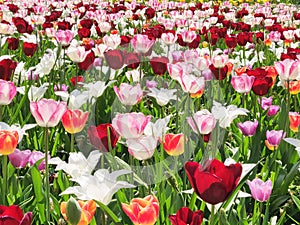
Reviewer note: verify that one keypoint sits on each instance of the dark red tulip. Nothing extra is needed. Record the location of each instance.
(99, 136)
(13, 43)
(86, 23)
(84, 33)
(230, 41)
(213, 182)
(88, 62)
(261, 85)
(114, 59)
(29, 48)
(159, 65)
(7, 67)
(195, 43)
(125, 40)
(22, 25)
(132, 59)
(150, 13)
(219, 73)
(13, 8)
(243, 38)
(185, 216)
(64, 25)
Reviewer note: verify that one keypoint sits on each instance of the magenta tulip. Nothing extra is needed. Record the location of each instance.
(248, 128)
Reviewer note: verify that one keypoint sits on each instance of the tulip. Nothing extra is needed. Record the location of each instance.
(8, 141)
(191, 84)
(273, 138)
(88, 209)
(159, 65)
(185, 216)
(213, 182)
(273, 109)
(114, 59)
(202, 121)
(294, 118)
(288, 69)
(100, 135)
(64, 37)
(74, 120)
(174, 144)
(201, 63)
(188, 36)
(219, 61)
(141, 43)
(47, 112)
(29, 48)
(88, 62)
(168, 38)
(162, 96)
(260, 190)
(77, 54)
(242, 83)
(129, 95)
(261, 85)
(248, 128)
(142, 211)
(112, 41)
(143, 147)
(7, 92)
(13, 215)
(265, 102)
(130, 125)
(7, 67)
(19, 159)
(35, 157)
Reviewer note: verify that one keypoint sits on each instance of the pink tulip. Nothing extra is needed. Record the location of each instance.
(191, 84)
(36, 156)
(175, 70)
(188, 36)
(141, 43)
(19, 159)
(288, 69)
(248, 128)
(265, 103)
(47, 112)
(219, 61)
(129, 95)
(202, 122)
(142, 148)
(77, 54)
(273, 109)
(112, 41)
(7, 92)
(168, 38)
(273, 138)
(64, 37)
(201, 63)
(190, 56)
(260, 190)
(243, 83)
(130, 125)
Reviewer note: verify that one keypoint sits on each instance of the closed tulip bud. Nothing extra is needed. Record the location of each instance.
(74, 120)
(260, 190)
(174, 144)
(8, 141)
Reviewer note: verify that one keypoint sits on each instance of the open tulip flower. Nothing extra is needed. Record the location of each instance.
(185, 216)
(74, 120)
(213, 182)
(174, 144)
(8, 141)
(7, 92)
(142, 211)
(13, 215)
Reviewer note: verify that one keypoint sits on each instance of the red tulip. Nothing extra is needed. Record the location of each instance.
(13, 215)
(262, 85)
(99, 136)
(213, 182)
(75, 80)
(114, 59)
(185, 216)
(142, 211)
(13, 43)
(88, 62)
(74, 120)
(7, 67)
(29, 48)
(159, 65)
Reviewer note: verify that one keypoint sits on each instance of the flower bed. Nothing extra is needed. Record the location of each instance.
(149, 113)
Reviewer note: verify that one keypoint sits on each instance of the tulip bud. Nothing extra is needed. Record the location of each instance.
(73, 211)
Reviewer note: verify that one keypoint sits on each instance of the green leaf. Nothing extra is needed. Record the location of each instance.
(296, 201)
(109, 213)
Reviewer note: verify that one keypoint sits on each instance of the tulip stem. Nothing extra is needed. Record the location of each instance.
(4, 181)
(47, 176)
(72, 143)
(212, 215)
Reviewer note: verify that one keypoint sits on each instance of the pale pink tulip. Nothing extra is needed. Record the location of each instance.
(202, 122)
(64, 37)
(190, 56)
(168, 38)
(201, 63)
(219, 61)
(47, 112)
(112, 41)
(142, 148)
(128, 94)
(188, 36)
(242, 83)
(288, 69)
(141, 43)
(77, 54)
(7, 92)
(191, 84)
(288, 34)
(130, 125)
(248, 128)
(260, 190)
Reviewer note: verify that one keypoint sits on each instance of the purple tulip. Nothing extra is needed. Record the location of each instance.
(265, 103)
(260, 190)
(36, 156)
(273, 109)
(248, 128)
(273, 138)
(19, 159)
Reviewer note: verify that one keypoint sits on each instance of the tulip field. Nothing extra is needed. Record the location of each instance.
(149, 112)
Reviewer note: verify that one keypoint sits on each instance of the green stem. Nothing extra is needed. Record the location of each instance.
(47, 175)
(72, 143)
(4, 181)
(212, 215)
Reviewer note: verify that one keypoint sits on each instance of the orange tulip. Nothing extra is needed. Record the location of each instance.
(8, 141)
(294, 87)
(294, 121)
(74, 120)
(174, 144)
(142, 211)
(88, 209)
